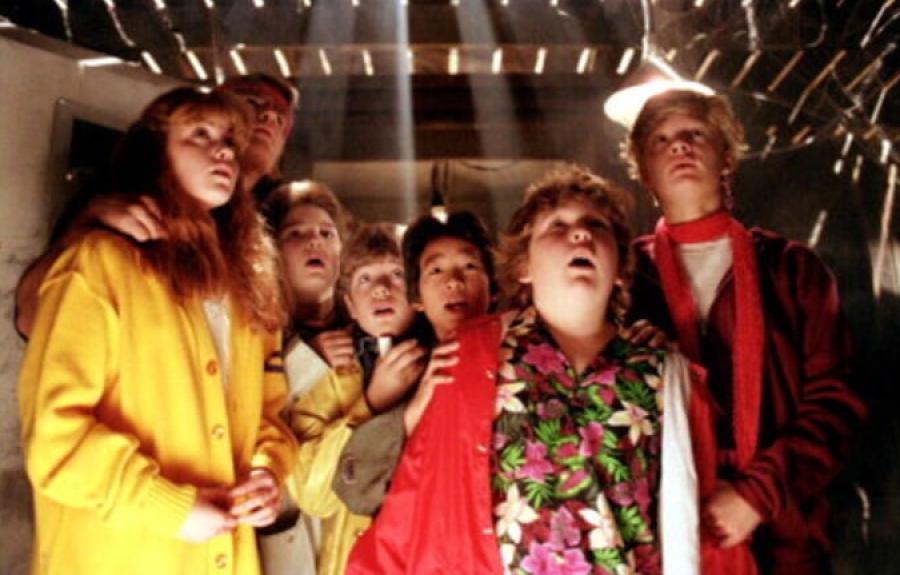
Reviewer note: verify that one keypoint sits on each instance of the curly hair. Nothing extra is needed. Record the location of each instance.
(571, 182)
(714, 111)
(463, 225)
(207, 252)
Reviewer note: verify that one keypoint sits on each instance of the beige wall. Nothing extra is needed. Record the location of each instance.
(36, 73)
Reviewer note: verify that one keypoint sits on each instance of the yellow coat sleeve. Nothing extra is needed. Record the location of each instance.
(71, 456)
(322, 420)
(276, 449)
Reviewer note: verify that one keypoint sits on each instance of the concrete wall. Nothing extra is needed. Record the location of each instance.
(36, 73)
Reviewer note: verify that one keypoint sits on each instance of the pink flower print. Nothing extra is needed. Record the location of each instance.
(648, 559)
(500, 441)
(565, 379)
(564, 530)
(621, 494)
(512, 513)
(575, 482)
(605, 533)
(507, 399)
(635, 419)
(545, 359)
(552, 409)
(608, 395)
(605, 377)
(541, 560)
(536, 463)
(642, 493)
(591, 439)
(565, 452)
(574, 563)
(508, 372)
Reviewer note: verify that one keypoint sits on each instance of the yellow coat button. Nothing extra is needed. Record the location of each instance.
(221, 561)
(212, 368)
(218, 431)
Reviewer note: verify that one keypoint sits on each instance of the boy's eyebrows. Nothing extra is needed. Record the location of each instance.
(303, 223)
(468, 251)
(432, 257)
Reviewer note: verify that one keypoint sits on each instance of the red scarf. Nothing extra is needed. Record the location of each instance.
(747, 357)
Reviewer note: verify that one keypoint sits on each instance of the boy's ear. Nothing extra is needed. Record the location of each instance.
(418, 306)
(524, 274)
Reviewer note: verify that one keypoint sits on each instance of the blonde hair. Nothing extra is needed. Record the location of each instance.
(714, 111)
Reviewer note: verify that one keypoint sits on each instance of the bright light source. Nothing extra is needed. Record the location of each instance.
(583, 61)
(816, 232)
(151, 63)
(238, 61)
(323, 59)
(625, 61)
(282, 63)
(540, 60)
(711, 57)
(497, 61)
(194, 61)
(857, 168)
(439, 212)
(99, 62)
(453, 62)
(259, 3)
(367, 62)
(411, 60)
(848, 140)
(624, 106)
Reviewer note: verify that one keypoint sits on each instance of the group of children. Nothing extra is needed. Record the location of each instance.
(172, 386)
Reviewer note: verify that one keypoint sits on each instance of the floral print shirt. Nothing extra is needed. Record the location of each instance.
(576, 456)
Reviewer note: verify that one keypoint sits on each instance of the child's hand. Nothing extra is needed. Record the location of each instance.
(395, 372)
(335, 347)
(208, 516)
(256, 500)
(442, 357)
(642, 333)
(139, 219)
(727, 517)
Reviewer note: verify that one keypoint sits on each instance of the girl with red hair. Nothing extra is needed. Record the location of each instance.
(150, 390)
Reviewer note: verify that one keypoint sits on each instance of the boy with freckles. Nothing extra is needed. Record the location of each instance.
(449, 279)
(365, 378)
